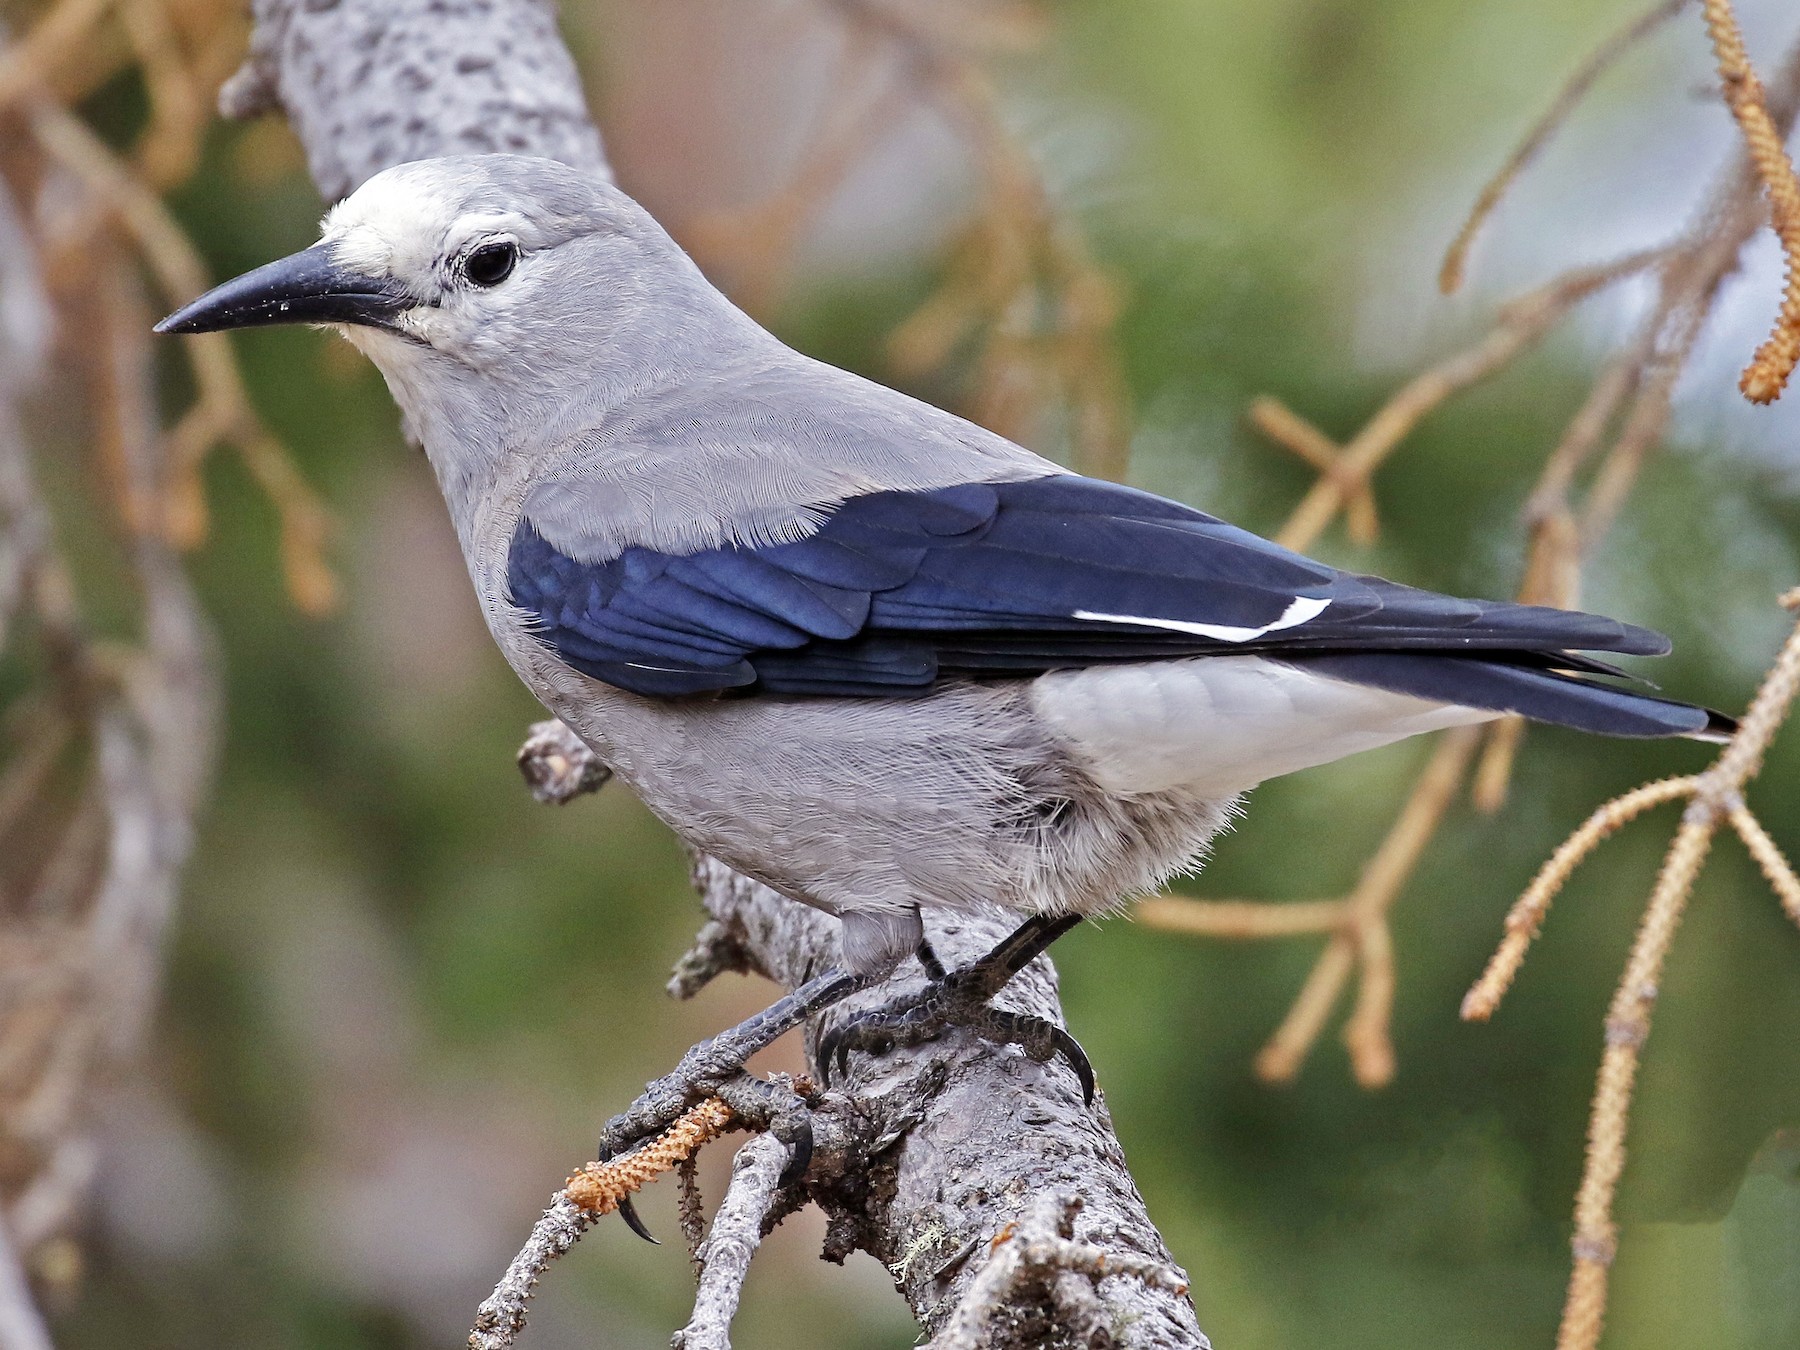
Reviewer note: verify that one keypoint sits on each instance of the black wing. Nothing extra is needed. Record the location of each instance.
(899, 590)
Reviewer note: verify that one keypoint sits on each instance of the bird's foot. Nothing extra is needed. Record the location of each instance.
(715, 1068)
(962, 998)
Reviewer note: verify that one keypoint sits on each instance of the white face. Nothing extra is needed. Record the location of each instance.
(505, 292)
(468, 270)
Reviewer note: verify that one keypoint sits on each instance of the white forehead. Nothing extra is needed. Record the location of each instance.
(399, 222)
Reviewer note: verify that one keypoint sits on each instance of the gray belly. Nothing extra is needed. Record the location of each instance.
(960, 801)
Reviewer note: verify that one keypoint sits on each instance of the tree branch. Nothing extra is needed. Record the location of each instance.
(372, 83)
(737, 1231)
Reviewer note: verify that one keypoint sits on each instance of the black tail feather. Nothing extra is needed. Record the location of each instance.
(1566, 700)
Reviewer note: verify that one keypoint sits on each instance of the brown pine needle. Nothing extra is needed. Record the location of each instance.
(223, 411)
(1776, 869)
(1767, 373)
(1715, 796)
(1245, 919)
(1356, 942)
(1527, 913)
(1523, 324)
(1456, 257)
(599, 1187)
(1493, 775)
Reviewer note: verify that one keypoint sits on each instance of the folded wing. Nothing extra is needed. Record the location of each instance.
(896, 591)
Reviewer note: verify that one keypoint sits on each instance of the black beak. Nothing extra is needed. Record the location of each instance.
(307, 287)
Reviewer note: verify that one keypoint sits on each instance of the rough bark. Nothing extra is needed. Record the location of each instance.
(724, 1256)
(953, 1138)
(930, 1156)
(372, 83)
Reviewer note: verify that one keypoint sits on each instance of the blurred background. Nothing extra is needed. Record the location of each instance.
(399, 996)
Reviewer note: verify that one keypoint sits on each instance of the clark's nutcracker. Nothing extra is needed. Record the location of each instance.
(858, 648)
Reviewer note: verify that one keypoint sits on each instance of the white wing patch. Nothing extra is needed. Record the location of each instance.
(1299, 612)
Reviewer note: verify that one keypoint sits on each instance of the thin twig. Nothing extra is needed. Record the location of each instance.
(169, 148)
(1022, 281)
(1776, 869)
(1383, 877)
(57, 35)
(1241, 918)
(737, 1230)
(1286, 427)
(1523, 324)
(1714, 796)
(1767, 373)
(1627, 1027)
(1527, 914)
(1493, 772)
(83, 946)
(223, 411)
(1568, 98)
(762, 236)
(1640, 379)
(592, 1192)
(501, 1316)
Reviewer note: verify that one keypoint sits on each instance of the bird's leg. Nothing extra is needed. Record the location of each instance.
(961, 998)
(715, 1068)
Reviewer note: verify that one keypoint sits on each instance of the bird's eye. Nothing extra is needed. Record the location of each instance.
(491, 264)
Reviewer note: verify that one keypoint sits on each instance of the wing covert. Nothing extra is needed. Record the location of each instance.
(897, 590)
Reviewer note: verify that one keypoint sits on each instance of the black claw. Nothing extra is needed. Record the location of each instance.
(799, 1156)
(1070, 1049)
(929, 961)
(627, 1209)
(961, 997)
(628, 1212)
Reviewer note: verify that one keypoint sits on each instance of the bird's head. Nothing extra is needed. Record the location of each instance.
(506, 266)
(509, 302)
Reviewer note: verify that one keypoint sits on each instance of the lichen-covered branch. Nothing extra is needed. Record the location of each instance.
(736, 1232)
(501, 1317)
(1041, 1249)
(371, 83)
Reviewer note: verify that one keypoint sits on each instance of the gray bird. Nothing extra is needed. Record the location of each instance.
(855, 646)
